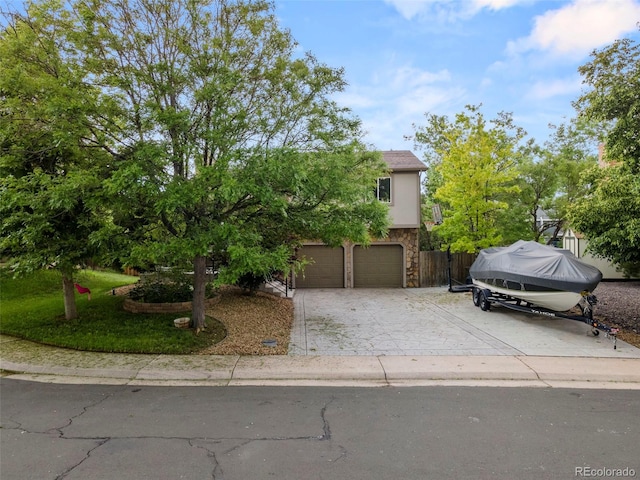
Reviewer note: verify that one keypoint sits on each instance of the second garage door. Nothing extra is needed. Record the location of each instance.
(378, 266)
(326, 269)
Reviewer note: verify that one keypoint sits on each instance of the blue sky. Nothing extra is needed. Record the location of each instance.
(404, 58)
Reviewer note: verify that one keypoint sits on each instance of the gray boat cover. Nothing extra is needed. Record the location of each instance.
(528, 262)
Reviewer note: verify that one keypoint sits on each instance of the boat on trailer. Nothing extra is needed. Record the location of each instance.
(553, 300)
(530, 277)
(538, 274)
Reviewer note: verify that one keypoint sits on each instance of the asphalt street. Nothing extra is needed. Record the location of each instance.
(90, 432)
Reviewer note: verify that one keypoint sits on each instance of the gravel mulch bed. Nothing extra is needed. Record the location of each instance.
(251, 320)
(619, 306)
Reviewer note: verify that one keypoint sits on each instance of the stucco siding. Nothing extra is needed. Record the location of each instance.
(404, 209)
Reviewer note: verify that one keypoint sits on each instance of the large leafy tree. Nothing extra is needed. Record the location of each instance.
(609, 215)
(573, 150)
(551, 179)
(230, 145)
(474, 164)
(538, 181)
(51, 160)
(613, 75)
(176, 130)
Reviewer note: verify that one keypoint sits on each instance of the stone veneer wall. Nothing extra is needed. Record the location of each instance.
(409, 238)
(140, 307)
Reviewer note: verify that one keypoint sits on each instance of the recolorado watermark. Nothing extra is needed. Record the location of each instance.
(604, 472)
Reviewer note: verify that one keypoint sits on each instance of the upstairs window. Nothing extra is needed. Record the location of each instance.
(383, 189)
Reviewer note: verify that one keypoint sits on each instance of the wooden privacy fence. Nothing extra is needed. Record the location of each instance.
(434, 268)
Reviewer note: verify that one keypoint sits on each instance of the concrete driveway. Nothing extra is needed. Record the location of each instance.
(432, 321)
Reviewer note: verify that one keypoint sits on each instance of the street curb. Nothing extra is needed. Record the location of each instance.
(578, 372)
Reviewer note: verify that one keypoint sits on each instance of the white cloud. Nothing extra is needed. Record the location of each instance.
(547, 89)
(410, 77)
(486, 82)
(495, 4)
(409, 8)
(416, 102)
(580, 27)
(448, 10)
(395, 98)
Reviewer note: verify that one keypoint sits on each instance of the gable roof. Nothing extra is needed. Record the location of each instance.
(403, 161)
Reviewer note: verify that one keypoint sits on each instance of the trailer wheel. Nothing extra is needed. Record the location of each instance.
(485, 304)
(475, 294)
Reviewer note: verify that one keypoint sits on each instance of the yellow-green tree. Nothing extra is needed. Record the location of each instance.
(477, 162)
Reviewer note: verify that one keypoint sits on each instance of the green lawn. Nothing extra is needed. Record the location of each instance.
(32, 308)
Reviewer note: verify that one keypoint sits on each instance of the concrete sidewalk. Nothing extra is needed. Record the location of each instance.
(359, 337)
(21, 359)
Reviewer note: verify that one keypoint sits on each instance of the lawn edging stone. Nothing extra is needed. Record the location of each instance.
(132, 306)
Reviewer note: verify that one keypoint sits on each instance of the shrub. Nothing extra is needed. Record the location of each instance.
(161, 292)
(250, 282)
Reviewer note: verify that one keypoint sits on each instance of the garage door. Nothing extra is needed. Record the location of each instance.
(378, 266)
(327, 269)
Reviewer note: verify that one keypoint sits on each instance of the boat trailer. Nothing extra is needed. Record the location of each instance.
(485, 298)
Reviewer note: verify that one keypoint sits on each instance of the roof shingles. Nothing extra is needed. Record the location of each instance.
(403, 160)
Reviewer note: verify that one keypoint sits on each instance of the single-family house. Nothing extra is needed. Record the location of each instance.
(392, 261)
(576, 243)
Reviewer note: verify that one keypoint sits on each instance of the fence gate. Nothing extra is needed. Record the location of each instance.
(434, 267)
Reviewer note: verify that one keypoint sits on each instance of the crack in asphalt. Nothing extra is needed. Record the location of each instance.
(343, 454)
(326, 428)
(216, 471)
(203, 443)
(85, 409)
(84, 459)
(59, 429)
(326, 436)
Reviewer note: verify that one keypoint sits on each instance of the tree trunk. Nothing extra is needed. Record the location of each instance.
(199, 283)
(537, 231)
(70, 311)
(556, 232)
